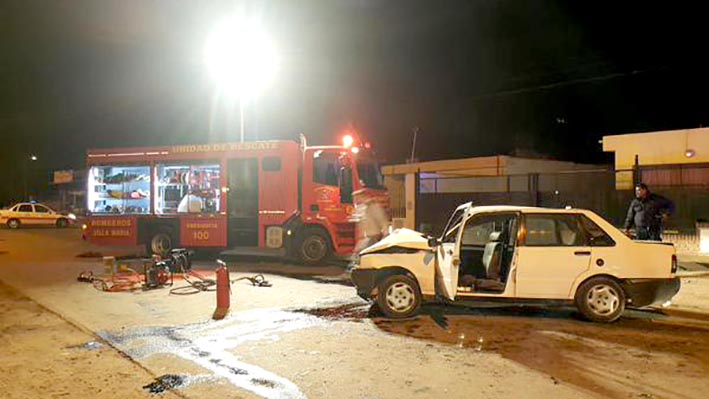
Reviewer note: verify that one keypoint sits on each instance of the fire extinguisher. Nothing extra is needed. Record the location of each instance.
(223, 291)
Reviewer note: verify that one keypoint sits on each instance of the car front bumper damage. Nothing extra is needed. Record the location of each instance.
(646, 292)
(365, 281)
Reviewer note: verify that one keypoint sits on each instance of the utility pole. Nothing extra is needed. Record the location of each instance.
(413, 145)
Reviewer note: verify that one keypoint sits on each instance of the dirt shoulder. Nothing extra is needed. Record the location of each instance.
(44, 356)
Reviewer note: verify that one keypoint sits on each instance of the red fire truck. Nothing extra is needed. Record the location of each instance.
(281, 197)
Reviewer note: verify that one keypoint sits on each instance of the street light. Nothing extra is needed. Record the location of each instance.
(32, 158)
(241, 59)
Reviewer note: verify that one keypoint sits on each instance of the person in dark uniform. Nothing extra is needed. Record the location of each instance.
(646, 213)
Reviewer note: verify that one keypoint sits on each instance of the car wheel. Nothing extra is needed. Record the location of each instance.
(62, 223)
(600, 299)
(313, 247)
(399, 296)
(13, 224)
(161, 243)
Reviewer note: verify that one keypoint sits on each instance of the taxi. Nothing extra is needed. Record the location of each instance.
(34, 214)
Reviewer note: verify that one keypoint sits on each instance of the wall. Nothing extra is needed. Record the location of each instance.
(656, 148)
(587, 190)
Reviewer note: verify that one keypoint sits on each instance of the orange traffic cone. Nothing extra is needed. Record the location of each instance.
(223, 292)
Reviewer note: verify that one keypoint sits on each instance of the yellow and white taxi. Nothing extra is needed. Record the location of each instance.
(518, 254)
(33, 214)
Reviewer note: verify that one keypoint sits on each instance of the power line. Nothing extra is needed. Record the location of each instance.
(565, 83)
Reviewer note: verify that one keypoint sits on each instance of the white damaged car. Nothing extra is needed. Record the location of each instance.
(518, 254)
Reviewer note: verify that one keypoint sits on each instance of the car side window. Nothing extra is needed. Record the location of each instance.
(41, 209)
(25, 208)
(553, 230)
(597, 236)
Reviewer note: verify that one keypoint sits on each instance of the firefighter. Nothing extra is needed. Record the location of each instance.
(646, 213)
(372, 223)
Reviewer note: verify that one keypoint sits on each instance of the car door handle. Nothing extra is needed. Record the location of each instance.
(582, 253)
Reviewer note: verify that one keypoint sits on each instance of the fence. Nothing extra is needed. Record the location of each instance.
(589, 189)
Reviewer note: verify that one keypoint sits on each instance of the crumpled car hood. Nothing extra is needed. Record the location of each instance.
(405, 238)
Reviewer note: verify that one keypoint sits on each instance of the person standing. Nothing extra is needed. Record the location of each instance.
(372, 223)
(647, 212)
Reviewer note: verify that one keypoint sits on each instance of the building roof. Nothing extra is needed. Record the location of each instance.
(497, 165)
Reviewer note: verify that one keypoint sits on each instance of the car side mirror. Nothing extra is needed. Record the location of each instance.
(433, 242)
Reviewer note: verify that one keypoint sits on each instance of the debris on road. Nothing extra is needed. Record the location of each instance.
(164, 383)
(89, 346)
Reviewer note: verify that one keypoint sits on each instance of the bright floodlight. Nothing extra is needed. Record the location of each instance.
(347, 141)
(33, 158)
(240, 58)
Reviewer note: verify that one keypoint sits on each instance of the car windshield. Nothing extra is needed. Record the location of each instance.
(369, 174)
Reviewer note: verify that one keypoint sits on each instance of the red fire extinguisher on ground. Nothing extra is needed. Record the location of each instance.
(223, 291)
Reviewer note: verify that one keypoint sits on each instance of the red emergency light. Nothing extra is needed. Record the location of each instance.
(347, 141)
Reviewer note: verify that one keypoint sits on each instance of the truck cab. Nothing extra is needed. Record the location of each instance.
(335, 180)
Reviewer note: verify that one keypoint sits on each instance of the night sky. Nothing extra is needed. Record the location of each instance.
(477, 77)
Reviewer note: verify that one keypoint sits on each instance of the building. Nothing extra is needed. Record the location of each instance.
(676, 158)
(69, 191)
(674, 163)
(423, 194)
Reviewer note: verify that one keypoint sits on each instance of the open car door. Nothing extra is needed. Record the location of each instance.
(448, 253)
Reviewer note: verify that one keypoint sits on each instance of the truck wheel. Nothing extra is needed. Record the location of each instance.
(13, 224)
(399, 296)
(161, 243)
(62, 223)
(600, 299)
(313, 246)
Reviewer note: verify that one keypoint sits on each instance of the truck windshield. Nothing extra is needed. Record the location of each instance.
(369, 174)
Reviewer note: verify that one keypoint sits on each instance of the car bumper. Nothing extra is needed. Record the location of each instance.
(364, 280)
(650, 292)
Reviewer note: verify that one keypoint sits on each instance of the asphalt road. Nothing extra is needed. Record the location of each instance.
(310, 336)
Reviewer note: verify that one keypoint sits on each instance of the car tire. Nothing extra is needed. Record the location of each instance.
(161, 243)
(13, 224)
(313, 247)
(399, 296)
(62, 223)
(600, 299)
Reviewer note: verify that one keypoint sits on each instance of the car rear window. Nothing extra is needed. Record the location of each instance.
(597, 236)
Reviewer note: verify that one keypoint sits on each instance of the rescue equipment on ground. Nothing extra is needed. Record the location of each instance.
(121, 275)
